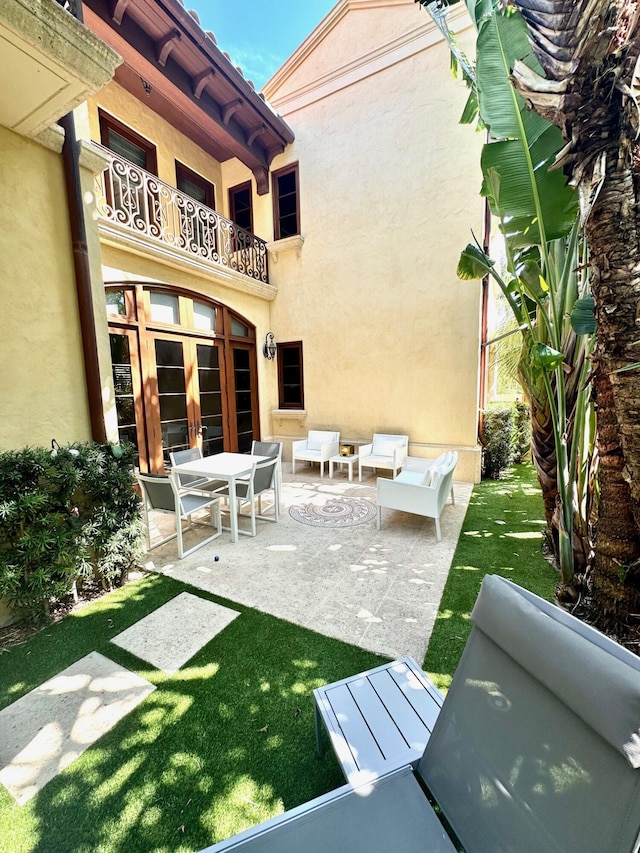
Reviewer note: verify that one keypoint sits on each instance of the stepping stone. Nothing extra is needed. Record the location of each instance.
(172, 634)
(45, 730)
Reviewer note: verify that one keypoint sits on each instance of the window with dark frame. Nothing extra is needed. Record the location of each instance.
(240, 206)
(195, 186)
(286, 202)
(290, 375)
(119, 138)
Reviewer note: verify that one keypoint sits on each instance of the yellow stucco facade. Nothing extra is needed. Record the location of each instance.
(126, 261)
(48, 64)
(41, 375)
(388, 197)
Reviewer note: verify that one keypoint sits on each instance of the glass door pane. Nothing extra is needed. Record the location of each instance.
(172, 396)
(243, 385)
(126, 385)
(211, 399)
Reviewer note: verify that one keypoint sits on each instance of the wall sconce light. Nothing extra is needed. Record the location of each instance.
(269, 347)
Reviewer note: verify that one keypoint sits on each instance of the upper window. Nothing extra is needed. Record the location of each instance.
(240, 207)
(127, 143)
(204, 316)
(238, 328)
(116, 303)
(286, 208)
(290, 377)
(195, 186)
(164, 307)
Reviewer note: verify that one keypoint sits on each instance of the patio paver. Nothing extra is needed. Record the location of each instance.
(172, 634)
(48, 728)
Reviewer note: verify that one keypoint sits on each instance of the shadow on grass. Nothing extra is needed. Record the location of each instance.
(224, 743)
(502, 534)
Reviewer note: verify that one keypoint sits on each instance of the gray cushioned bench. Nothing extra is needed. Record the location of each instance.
(536, 749)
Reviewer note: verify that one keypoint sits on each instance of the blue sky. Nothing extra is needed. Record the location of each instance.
(260, 35)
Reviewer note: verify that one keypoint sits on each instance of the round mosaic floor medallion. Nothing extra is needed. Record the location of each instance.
(336, 512)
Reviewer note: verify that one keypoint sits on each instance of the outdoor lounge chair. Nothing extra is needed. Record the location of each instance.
(270, 449)
(263, 478)
(536, 750)
(318, 446)
(422, 492)
(384, 451)
(193, 482)
(414, 465)
(161, 493)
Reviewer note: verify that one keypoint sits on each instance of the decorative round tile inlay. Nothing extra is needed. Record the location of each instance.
(336, 512)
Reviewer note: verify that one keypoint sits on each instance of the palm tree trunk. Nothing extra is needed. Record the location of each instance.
(590, 49)
(543, 454)
(612, 232)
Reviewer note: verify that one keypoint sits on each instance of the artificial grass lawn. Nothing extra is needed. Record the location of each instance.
(193, 763)
(501, 535)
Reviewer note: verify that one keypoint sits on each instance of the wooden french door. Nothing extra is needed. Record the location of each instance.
(177, 388)
(185, 405)
(243, 401)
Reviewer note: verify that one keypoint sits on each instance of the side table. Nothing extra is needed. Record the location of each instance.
(348, 460)
(378, 720)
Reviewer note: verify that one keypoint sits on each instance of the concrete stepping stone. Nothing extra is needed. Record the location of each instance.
(45, 730)
(175, 632)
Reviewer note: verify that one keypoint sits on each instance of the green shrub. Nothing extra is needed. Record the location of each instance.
(497, 439)
(506, 437)
(521, 432)
(67, 515)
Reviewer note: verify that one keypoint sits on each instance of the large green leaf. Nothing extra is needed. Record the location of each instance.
(546, 357)
(470, 112)
(583, 318)
(501, 40)
(473, 264)
(534, 204)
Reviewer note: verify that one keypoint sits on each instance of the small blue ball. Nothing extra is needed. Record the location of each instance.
(216, 558)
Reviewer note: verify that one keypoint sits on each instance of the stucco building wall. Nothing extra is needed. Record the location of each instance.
(171, 145)
(42, 382)
(389, 195)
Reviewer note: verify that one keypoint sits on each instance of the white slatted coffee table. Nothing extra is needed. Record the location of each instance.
(378, 720)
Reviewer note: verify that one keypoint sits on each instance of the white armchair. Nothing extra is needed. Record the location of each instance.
(414, 466)
(385, 451)
(419, 492)
(318, 446)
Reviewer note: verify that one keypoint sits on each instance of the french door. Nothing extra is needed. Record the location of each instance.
(176, 388)
(185, 403)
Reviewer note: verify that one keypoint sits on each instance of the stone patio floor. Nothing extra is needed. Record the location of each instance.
(376, 589)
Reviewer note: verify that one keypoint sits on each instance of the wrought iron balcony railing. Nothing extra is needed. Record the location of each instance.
(72, 6)
(132, 197)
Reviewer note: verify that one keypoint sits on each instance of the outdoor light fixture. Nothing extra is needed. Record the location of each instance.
(269, 347)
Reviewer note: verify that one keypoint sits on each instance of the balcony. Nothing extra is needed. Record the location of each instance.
(140, 202)
(49, 63)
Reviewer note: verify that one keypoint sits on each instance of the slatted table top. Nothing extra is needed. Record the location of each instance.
(378, 720)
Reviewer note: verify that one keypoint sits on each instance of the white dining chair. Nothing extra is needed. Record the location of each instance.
(263, 478)
(161, 493)
(194, 482)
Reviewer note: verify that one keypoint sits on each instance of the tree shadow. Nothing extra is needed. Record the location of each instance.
(224, 743)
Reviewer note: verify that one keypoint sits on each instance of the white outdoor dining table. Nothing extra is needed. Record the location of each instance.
(222, 466)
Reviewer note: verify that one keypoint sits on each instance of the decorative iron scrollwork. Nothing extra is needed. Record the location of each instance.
(132, 197)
